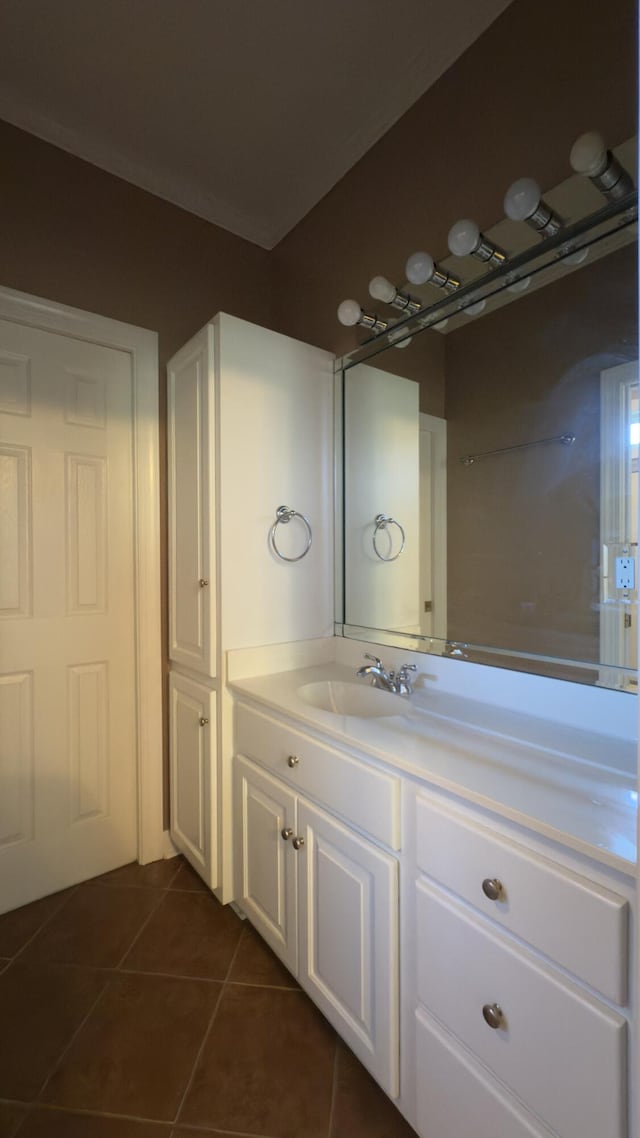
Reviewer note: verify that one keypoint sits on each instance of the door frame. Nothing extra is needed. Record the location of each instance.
(142, 346)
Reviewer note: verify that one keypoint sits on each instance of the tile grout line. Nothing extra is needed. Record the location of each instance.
(58, 909)
(152, 912)
(201, 979)
(181, 860)
(108, 976)
(196, 1061)
(208, 1031)
(334, 1086)
(169, 1127)
(65, 1050)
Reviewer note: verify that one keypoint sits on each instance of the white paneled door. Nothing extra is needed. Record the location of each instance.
(68, 806)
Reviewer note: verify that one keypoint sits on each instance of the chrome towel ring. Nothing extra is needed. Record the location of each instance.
(382, 521)
(283, 516)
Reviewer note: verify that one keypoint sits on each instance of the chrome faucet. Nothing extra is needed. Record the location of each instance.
(398, 682)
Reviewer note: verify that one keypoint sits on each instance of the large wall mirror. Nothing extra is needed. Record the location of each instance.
(491, 460)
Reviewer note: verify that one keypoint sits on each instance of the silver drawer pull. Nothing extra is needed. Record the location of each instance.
(293, 760)
(298, 843)
(286, 833)
(203, 582)
(492, 888)
(493, 1015)
(203, 721)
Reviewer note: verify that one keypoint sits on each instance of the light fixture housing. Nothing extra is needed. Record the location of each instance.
(466, 240)
(350, 313)
(422, 269)
(589, 156)
(382, 289)
(523, 201)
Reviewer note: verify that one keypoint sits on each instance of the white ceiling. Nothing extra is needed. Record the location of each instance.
(245, 113)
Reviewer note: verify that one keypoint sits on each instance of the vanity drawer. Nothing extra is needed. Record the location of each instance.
(456, 1096)
(363, 795)
(560, 1050)
(577, 923)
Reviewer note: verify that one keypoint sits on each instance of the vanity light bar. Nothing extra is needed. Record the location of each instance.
(523, 201)
(589, 156)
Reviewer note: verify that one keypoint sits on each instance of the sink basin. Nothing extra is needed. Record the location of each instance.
(344, 698)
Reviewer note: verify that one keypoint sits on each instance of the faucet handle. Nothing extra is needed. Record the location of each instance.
(403, 683)
(376, 659)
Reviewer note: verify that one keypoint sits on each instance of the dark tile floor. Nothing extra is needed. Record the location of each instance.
(136, 1006)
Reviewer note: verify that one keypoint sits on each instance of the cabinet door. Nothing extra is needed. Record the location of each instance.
(348, 895)
(266, 859)
(190, 411)
(192, 751)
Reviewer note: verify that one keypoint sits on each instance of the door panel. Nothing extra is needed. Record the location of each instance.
(191, 524)
(267, 861)
(67, 609)
(193, 727)
(348, 893)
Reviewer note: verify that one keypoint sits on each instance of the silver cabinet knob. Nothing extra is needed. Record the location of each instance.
(493, 1015)
(492, 888)
(203, 582)
(286, 833)
(293, 760)
(298, 843)
(203, 721)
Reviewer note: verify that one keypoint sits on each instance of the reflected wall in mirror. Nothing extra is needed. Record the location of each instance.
(523, 557)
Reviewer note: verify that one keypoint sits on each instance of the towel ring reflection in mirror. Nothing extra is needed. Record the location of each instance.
(382, 521)
(283, 516)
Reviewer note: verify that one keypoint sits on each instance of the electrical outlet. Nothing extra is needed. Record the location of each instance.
(625, 572)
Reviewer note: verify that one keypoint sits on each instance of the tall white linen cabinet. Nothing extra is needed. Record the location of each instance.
(250, 429)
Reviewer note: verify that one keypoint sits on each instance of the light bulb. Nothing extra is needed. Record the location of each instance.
(382, 289)
(589, 154)
(464, 237)
(419, 268)
(441, 325)
(522, 199)
(349, 313)
(474, 309)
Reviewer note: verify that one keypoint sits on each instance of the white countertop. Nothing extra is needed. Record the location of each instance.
(571, 785)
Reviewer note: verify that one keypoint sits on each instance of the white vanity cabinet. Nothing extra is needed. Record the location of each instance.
(511, 944)
(536, 1050)
(322, 895)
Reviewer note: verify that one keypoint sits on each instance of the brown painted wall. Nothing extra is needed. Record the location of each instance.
(543, 73)
(74, 234)
(524, 529)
